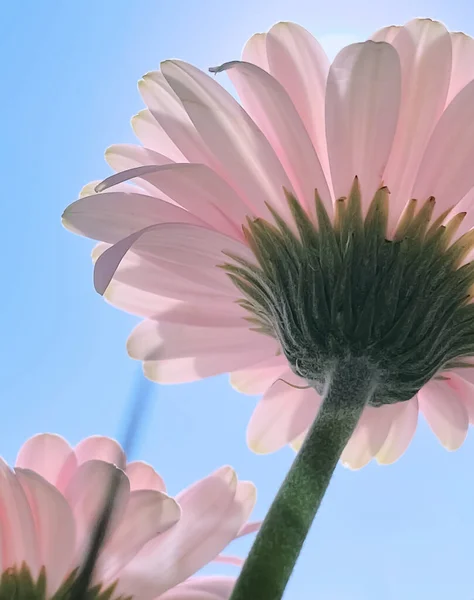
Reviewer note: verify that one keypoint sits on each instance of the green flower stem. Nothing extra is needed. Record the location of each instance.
(273, 556)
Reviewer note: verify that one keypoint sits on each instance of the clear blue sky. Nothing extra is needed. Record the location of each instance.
(69, 73)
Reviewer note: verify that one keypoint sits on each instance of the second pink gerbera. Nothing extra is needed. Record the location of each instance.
(51, 501)
(396, 111)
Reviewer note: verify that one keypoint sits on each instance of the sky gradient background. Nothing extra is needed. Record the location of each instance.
(69, 73)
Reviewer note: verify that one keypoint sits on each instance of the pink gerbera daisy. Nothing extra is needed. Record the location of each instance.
(213, 233)
(51, 500)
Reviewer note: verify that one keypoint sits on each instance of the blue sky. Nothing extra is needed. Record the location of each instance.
(69, 71)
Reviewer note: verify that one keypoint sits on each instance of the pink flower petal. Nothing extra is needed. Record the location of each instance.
(362, 105)
(148, 514)
(249, 528)
(202, 588)
(298, 442)
(258, 378)
(196, 188)
(298, 62)
(369, 436)
(282, 414)
(464, 390)
(111, 216)
(163, 341)
(388, 34)
(196, 250)
(99, 447)
(462, 71)
(86, 494)
(255, 51)
(446, 169)
(45, 454)
(171, 117)
(424, 47)
(271, 108)
(401, 432)
(122, 157)
(144, 275)
(206, 311)
(227, 559)
(153, 137)
(125, 157)
(18, 539)
(248, 161)
(445, 412)
(184, 370)
(143, 476)
(90, 189)
(54, 526)
(213, 511)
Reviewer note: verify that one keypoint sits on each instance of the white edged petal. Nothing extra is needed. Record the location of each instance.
(271, 108)
(362, 106)
(445, 413)
(247, 160)
(46, 454)
(54, 526)
(282, 414)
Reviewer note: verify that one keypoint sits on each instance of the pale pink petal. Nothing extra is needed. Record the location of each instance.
(445, 412)
(446, 170)
(248, 161)
(298, 442)
(87, 492)
(154, 137)
(196, 250)
(171, 117)
(98, 447)
(228, 559)
(362, 106)
(148, 514)
(138, 302)
(177, 283)
(151, 340)
(424, 47)
(271, 108)
(184, 370)
(208, 523)
(45, 454)
(387, 34)
(201, 311)
(18, 538)
(89, 189)
(462, 71)
(202, 588)
(401, 432)
(255, 51)
(369, 435)
(196, 188)
(54, 526)
(124, 157)
(258, 378)
(249, 528)
(143, 476)
(111, 216)
(282, 414)
(298, 62)
(463, 388)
